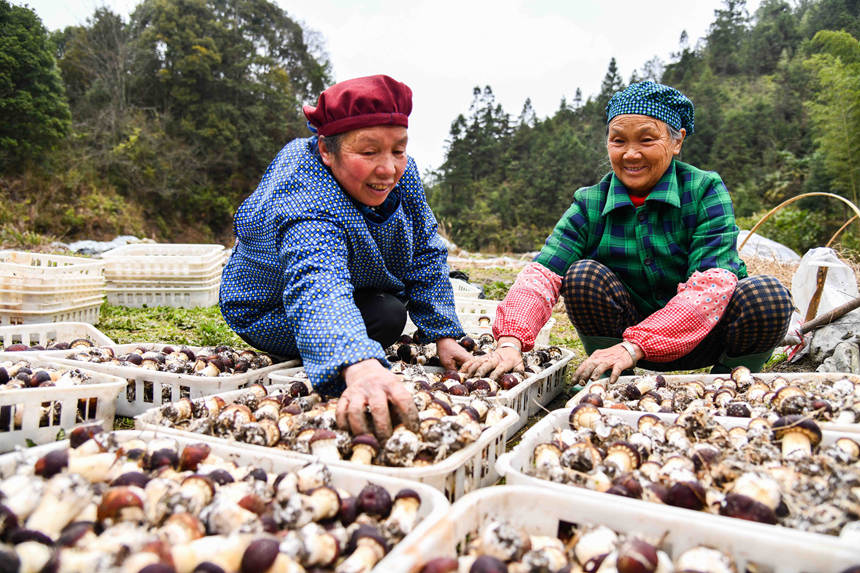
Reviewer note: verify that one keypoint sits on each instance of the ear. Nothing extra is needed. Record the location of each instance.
(679, 143)
(325, 154)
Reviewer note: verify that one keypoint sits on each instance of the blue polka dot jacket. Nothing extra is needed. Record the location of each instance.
(303, 245)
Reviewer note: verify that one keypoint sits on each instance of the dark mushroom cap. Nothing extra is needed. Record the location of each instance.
(367, 440)
(322, 435)
(259, 555)
(365, 531)
(471, 412)
(444, 406)
(592, 398)
(52, 463)
(480, 385)
(221, 476)
(488, 564)
(458, 390)
(81, 434)
(8, 521)
(163, 457)
(139, 479)
(508, 381)
(407, 493)
(451, 375)
(797, 423)
(73, 532)
(745, 507)
(738, 410)
(192, 455)
(21, 535)
(158, 568)
(636, 555)
(374, 500)
(626, 485)
(689, 495)
(468, 343)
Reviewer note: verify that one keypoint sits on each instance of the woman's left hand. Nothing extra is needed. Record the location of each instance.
(615, 359)
(451, 354)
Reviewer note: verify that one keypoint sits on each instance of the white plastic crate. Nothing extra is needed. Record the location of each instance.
(167, 295)
(21, 270)
(514, 464)
(463, 471)
(433, 505)
(85, 312)
(146, 389)
(725, 420)
(93, 402)
(44, 334)
(164, 260)
(542, 511)
(464, 289)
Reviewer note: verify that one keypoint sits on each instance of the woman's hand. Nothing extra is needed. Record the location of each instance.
(615, 358)
(498, 362)
(370, 388)
(451, 354)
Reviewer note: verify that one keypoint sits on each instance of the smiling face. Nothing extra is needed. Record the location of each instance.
(640, 150)
(369, 163)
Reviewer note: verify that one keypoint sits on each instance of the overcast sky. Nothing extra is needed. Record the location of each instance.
(542, 49)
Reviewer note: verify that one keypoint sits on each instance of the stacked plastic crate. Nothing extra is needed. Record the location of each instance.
(36, 288)
(161, 274)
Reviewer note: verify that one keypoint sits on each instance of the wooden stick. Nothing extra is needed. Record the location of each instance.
(830, 316)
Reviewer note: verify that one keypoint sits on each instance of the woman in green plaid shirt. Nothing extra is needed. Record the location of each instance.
(647, 261)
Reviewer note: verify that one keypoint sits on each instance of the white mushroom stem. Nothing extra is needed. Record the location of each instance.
(65, 496)
(362, 454)
(704, 559)
(22, 494)
(404, 514)
(593, 542)
(324, 503)
(325, 449)
(224, 551)
(33, 556)
(367, 554)
(795, 444)
(95, 468)
(321, 546)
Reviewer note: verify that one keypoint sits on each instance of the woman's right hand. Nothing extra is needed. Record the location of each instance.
(370, 387)
(497, 362)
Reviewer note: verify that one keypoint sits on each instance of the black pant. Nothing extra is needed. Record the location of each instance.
(384, 315)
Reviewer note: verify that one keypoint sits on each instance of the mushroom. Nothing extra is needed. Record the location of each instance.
(370, 547)
(364, 448)
(797, 434)
(703, 558)
(404, 513)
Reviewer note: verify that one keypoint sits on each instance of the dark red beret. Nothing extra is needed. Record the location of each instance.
(361, 102)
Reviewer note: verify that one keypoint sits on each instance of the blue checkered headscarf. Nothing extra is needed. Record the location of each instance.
(654, 100)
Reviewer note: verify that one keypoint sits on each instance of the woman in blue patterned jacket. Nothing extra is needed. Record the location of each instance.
(334, 245)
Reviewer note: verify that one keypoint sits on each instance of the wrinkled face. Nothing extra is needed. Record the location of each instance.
(370, 162)
(640, 150)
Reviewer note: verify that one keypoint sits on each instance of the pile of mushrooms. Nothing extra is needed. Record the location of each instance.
(304, 422)
(52, 345)
(152, 506)
(409, 359)
(502, 547)
(776, 473)
(209, 361)
(739, 395)
(22, 374)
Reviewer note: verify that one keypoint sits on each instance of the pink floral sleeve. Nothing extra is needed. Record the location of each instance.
(528, 305)
(687, 318)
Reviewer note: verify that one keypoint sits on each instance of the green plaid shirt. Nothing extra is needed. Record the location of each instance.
(687, 224)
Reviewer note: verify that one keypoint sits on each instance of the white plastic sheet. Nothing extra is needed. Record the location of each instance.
(839, 287)
(762, 247)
